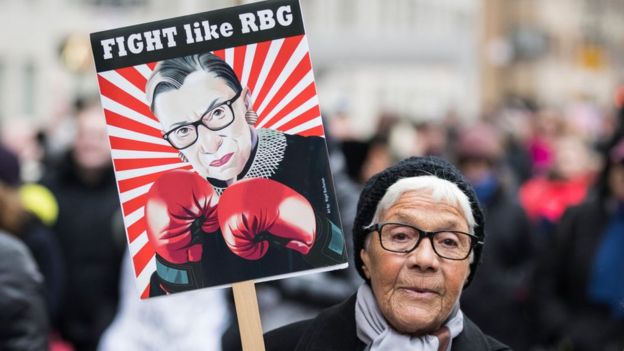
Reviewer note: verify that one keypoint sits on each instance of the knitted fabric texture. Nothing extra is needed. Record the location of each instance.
(376, 187)
(269, 155)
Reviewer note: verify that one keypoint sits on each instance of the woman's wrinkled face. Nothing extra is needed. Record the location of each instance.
(416, 291)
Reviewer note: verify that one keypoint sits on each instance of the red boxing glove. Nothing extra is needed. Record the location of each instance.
(253, 206)
(180, 207)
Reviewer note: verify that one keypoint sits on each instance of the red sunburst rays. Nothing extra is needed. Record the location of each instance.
(286, 52)
(256, 63)
(302, 68)
(109, 89)
(142, 258)
(280, 77)
(117, 120)
(134, 77)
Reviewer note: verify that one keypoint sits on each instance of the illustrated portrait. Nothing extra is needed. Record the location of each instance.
(232, 180)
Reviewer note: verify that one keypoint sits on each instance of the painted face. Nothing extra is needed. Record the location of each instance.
(416, 291)
(219, 154)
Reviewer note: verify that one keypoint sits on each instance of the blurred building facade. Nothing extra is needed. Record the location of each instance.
(415, 58)
(412, 58)
(552, 51)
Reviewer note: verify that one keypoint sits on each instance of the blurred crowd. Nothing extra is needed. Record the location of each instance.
(551, 181)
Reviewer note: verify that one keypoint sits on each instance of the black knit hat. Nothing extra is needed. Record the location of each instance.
(375, 188)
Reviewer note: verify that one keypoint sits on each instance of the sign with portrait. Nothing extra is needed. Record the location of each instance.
(218, 147)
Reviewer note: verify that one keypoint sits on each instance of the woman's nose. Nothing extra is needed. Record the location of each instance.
(423, 256)
(209, 141)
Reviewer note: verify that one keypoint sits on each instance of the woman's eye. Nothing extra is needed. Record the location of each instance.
(400, 237)
(449, 242)
(183, 131)
(218, 113)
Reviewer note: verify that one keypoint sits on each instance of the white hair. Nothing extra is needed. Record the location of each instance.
(441, 190)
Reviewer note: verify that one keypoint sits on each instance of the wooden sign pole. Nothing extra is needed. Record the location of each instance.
(248, 316)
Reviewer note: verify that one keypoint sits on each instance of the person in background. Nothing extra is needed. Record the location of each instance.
(364, 157)
(23, 320)
(417, 235)
(545, 198)
(508, 255)
(433, 136)
(578, 287)
(21, 136)
(514, 121)
(84, 186)
(42, 242)
(547, 127)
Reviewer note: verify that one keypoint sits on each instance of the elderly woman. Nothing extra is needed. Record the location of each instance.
(418, 235)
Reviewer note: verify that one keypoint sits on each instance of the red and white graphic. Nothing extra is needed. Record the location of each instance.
(280, 78)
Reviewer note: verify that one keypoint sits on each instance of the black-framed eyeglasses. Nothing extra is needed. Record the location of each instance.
(215, 119)
(404, 238)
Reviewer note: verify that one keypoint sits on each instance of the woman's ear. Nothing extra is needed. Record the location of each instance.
(366, 260)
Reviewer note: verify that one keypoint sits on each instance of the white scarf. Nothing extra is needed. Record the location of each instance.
(373, 329)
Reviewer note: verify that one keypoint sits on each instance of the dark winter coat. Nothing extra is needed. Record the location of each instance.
(565, 313)
(86, 228)
(23, 318)
(335, 330)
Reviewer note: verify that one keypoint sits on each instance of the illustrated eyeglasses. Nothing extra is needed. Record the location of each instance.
(404, 238)
(215, 119)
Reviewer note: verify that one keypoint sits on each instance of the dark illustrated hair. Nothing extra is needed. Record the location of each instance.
(170, 74)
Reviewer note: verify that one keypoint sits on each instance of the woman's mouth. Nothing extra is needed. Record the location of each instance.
(223, 160)
(421, 292)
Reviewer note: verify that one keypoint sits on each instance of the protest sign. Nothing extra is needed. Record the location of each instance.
(218, 147)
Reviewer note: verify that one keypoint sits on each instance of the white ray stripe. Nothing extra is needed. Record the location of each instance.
(293, 61)
(249, 56)
(132, 193)
(123, 84)
(270, 58)
(129, 154)
(144, 70)
(131, 218)
(229, 57)
(317, 121)
(120, 109)
(128, 134)
(138, 243)
(296, 90)
(313, 101)
(143, 278)
(132, 173)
